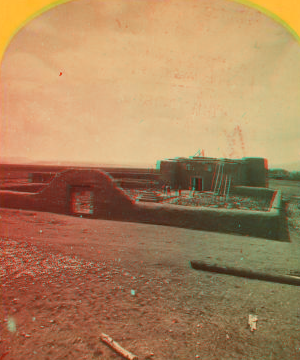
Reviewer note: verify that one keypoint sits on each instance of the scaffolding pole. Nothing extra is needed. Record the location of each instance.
(228, 188)
(225, 186)
(221, 179)
(215, 187)
(212, 183)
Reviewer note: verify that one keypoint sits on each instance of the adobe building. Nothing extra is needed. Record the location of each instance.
(211, 174)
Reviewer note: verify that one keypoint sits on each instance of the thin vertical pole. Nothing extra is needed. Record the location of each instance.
(221, 180)
(225, 186)
(213, 179)
(228, 187)
(217, 178)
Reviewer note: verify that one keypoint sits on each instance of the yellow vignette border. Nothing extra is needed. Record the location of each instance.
(19, 16)
(275, 17)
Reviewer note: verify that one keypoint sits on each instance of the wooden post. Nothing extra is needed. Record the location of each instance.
(118, 348)
(249, 274)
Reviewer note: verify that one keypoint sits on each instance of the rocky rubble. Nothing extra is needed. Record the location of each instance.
(233, 202)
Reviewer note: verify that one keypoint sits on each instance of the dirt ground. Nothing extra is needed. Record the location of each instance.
(65, 280)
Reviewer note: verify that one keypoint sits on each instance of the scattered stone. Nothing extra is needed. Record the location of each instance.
(252, 321)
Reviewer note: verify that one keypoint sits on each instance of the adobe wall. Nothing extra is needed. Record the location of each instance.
(248, 171)
(40, 177)
(255, 192)
(109, 200)
(257, 171)
(176, 173)
(198, 170)
(139, 184)
(17, 200)
(244, 222)
(30, 188)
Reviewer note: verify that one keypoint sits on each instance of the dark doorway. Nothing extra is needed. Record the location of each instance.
(81, 200)
(198, 183)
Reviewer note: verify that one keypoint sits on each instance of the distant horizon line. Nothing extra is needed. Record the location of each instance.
(24, 161)
(70, 163)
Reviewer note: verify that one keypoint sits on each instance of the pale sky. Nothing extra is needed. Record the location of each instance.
(147, 80)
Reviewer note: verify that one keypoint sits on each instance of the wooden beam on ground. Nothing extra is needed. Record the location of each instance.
(249, 274)
(118, 348)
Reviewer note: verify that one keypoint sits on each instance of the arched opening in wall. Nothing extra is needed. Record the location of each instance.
(81, 200)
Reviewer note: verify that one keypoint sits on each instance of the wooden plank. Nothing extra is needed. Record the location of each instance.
(118, 348)
(249, 274)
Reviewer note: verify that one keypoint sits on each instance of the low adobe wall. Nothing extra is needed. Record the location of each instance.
(29, 188)
(110, 202)
(244, 222)
(40, 177)
(264, 224)
(16, 200)
(255, 192)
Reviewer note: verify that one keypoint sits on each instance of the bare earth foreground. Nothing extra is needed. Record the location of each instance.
(64, 280)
